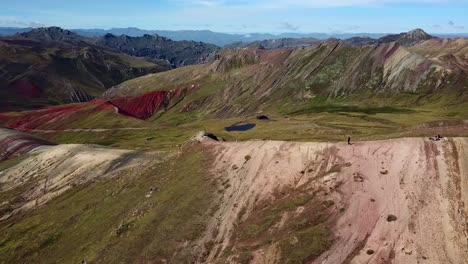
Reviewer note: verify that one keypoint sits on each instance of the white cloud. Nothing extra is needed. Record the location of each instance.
(274, 4)
(7, 21)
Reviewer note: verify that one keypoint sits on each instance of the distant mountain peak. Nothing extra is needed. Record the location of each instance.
(407, 38)
(52, 34)
(51, 30)
(418, 33)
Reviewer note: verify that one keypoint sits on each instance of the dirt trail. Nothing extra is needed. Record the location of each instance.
(404, 200)
(46, 131)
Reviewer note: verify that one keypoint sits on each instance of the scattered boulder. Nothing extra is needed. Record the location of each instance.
(391, 218)
(263, 117)
(358, 177)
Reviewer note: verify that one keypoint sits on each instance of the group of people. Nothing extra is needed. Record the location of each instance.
(435, 138)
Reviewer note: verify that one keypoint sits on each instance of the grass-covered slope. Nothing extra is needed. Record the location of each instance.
(244, 81)
(115, 206)
(42, 73)
(14, 143)
(327, 93)
(237, 202)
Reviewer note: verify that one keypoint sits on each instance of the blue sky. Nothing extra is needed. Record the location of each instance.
(242, 16)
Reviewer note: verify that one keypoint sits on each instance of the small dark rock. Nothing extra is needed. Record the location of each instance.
(391, 218)
(358, 177)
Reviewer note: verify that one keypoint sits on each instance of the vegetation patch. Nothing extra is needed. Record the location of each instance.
(295, 219)
(114, 221)
(305, 245)
(351, 109)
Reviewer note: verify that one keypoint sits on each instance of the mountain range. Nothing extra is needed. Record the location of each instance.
(54, 66)
(70, 57)
(37, 73)
(405, 38)
(251, 80)
(276, 151)
(217, 38)
(177, 53)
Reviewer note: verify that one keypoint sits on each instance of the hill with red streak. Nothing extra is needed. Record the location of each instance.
(141, 107)
(35, 119)
(103, 105)
(144, 106)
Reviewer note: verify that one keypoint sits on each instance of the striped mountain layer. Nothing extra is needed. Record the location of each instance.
(387, 201)
(61, 117)
(244, 81)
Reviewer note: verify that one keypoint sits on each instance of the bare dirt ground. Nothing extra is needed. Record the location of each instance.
(403, 200)
(14, 143)
(394, 201)
(50, 171)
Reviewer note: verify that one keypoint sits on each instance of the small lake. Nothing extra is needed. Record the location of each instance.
(240, 127)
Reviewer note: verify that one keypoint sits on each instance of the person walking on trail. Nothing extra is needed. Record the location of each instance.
(349, 140)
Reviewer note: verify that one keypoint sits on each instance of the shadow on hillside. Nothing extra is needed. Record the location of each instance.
(353, 109)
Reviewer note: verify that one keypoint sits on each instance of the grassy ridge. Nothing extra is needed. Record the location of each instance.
(118, 220)
(322, 123)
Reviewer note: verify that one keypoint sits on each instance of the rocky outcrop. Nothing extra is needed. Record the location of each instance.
(178, 53)
(55, 34)
(202, 136)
